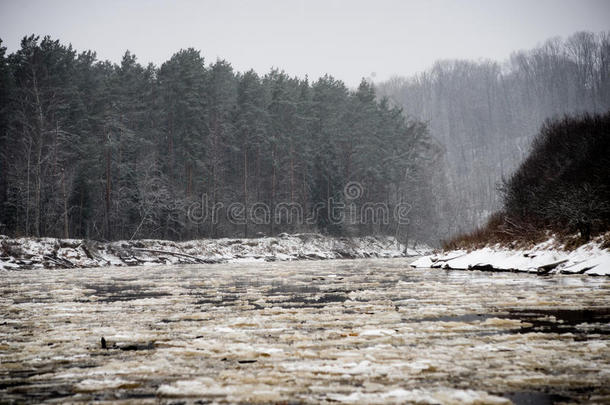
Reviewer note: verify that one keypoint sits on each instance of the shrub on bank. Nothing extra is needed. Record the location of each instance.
(563, 186)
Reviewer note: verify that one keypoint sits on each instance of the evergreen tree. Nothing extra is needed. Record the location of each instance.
(123, 151)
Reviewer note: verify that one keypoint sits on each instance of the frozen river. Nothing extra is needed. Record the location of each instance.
(340, 331)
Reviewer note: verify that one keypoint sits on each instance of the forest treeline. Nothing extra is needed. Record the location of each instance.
(486, 114)
(92, 149)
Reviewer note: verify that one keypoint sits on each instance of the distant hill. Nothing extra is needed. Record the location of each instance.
(486, 113)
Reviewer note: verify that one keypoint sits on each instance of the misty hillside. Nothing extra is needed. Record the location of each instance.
(486, 113)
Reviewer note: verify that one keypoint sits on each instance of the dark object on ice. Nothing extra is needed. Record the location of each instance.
(136, 346)
(128, 347)
(246, 361)
(165, 252)
(548, 267)
(535, 398)
(482, 267)
(60, 261)
(562, 320)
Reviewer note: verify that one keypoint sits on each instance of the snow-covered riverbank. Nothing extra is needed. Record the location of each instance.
(591, 258)
(26, 253)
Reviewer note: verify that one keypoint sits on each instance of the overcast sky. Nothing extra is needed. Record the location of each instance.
(348, 39)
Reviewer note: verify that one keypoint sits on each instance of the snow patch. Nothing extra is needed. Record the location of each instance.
(543, 258)
(421, 396)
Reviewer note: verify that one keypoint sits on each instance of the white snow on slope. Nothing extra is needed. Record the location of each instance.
(588, 259)
(27, 253)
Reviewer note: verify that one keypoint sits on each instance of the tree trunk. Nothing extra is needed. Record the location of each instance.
(273, 174)
(108, 190)
(189, 179)
(38, 171)
(38, 190)
(215, 152)
(245, 192)
(65, 198)
(258, 172)
(291, 174)
(27, 188)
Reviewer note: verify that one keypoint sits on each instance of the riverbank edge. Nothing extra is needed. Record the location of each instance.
(54, 253)
(592, 258)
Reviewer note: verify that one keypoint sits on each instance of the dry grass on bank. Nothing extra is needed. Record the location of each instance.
(499, 230)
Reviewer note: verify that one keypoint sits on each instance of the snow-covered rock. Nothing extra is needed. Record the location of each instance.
(543, 258)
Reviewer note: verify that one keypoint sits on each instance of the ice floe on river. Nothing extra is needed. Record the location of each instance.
(314, 332)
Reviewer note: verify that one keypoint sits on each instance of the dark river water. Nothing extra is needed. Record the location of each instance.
(340, 331)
